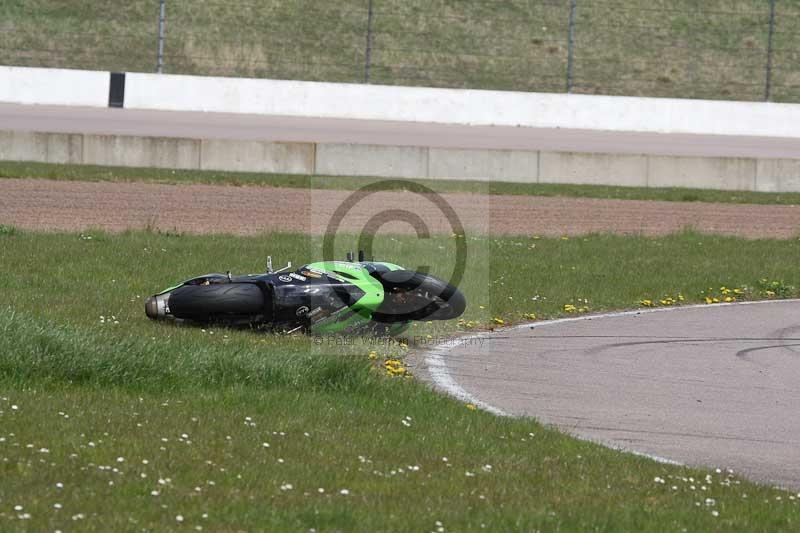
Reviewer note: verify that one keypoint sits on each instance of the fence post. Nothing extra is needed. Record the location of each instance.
(768, 81)
(696, 31)
(368, 55)
(162, 15)
(573, 6)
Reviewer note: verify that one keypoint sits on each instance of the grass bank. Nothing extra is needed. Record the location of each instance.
(22, 169)
(108, 420)
(715, 49)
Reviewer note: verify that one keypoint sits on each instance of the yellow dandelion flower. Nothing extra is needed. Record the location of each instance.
(471, 406)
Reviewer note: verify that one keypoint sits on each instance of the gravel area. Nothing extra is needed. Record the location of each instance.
(48, 205)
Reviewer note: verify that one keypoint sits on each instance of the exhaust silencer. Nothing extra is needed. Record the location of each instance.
(156, 306)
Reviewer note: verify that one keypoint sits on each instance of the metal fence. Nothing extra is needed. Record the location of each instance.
(723, 49)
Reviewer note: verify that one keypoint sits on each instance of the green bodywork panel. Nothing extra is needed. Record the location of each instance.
(359, 313)
(171, 288)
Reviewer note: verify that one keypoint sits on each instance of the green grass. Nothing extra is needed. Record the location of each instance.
(716, 49)
(45, 273)
(126, 387)
(680, 48)
(208, 448)
(23, 169)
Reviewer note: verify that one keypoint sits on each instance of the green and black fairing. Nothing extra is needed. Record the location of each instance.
(337, 297)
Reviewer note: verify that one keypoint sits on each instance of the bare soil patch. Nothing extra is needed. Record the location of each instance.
(45, 205)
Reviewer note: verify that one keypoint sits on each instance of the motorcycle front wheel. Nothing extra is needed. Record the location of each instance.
(412, 295)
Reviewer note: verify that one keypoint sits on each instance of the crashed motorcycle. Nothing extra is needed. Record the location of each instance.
(328, 297)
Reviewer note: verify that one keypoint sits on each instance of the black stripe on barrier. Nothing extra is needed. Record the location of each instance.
(116, 90)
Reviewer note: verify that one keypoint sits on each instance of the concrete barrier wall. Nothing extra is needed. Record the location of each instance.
(158, 152)
(371, 160)
(46, 86)
(486, 165)
(64, 148)
(594, 169)
(257, 156)
(459, 106)
(729, 173)
(407, 104)
(767, 175)
(777, 175)
(124, 151)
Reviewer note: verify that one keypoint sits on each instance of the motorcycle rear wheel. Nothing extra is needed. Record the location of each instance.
(211, 302)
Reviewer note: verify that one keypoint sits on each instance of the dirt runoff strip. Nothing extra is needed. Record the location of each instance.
(46, 205)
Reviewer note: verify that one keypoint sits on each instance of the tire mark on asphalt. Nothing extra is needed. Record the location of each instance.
(744, 353)
(781, 335)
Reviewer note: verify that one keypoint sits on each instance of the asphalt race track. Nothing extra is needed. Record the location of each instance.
(712, 386)
(291, 129)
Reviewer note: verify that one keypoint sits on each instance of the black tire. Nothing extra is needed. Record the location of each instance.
(209, 302)
(430, 298)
